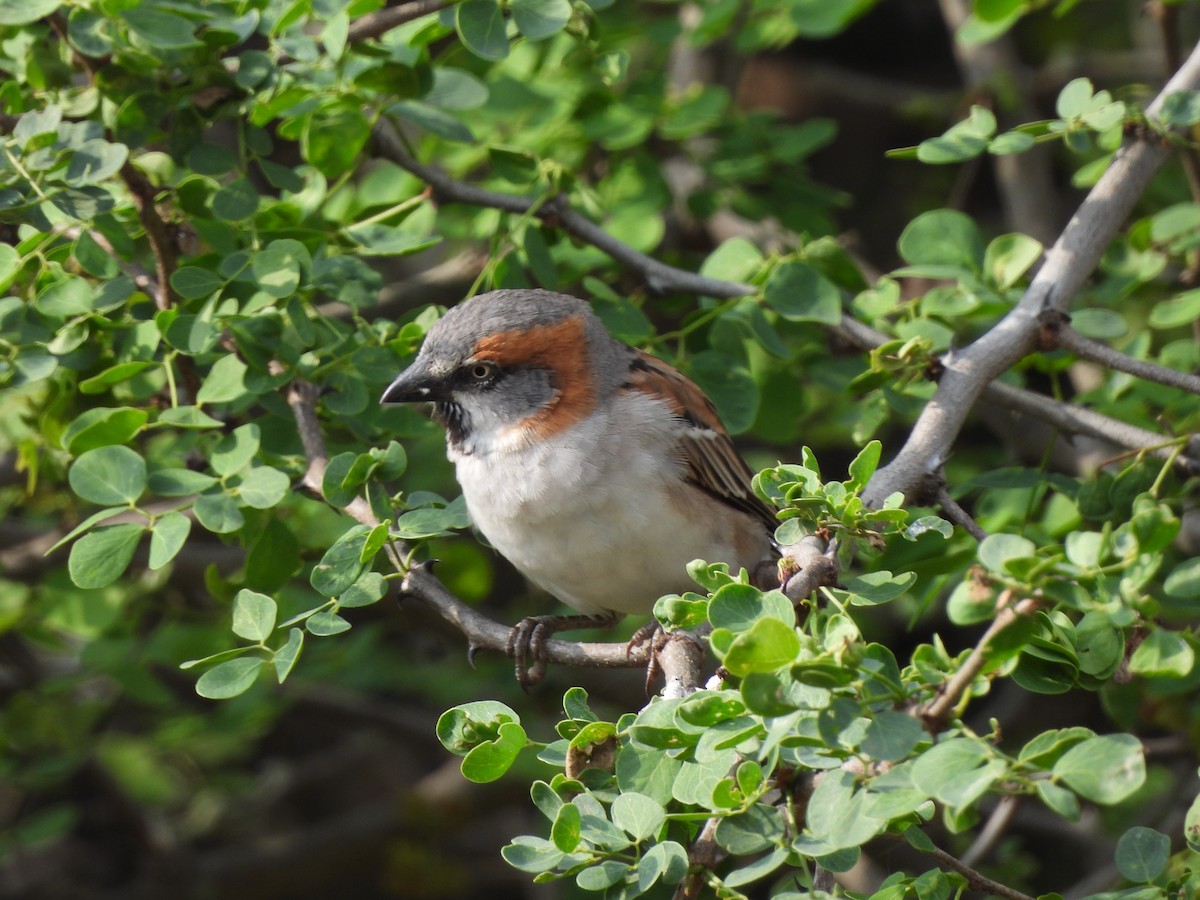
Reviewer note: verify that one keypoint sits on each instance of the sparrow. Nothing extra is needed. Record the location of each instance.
(598, 470)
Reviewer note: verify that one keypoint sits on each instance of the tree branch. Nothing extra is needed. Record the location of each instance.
(1067, 266)
(975, 878)
(939, 710)
(162, 245)
(378, 23)
(1057, 332)
(659, 276)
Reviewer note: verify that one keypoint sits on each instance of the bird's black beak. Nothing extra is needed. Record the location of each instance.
(415, 384)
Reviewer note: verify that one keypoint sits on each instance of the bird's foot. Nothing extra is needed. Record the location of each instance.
(654, 638)
(527, 641)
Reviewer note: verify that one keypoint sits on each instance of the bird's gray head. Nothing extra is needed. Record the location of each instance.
(531, 360)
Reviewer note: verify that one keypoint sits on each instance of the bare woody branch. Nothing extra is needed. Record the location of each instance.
(1067, 266)
(1057, 332)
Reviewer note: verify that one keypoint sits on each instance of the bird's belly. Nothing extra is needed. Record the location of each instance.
(612, 538)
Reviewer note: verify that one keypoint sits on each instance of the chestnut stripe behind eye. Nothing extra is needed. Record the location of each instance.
(560, 349)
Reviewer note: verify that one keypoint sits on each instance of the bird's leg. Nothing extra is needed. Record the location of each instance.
(527, 640)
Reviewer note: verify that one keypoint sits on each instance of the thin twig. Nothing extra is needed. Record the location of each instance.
(659, 276)
(975, 878)
(956, 514)
(941, 707)
(1057, 332)
(378, 23)
(993, 829)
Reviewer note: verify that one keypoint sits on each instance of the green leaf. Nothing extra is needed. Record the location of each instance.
(539, 19)
(263, 487)
(881, 586)
(334, 137)
(179, 482)
(1176, 312)
(235, 450)
(637, 815)
(1181, 108)
(1073, 99)
(942, 237)
(1142, 854)
(286, 656)
(565, 830)
(341, 565)
(95, 161)
(838, 815)
(1104, 769)
(767, 646)
(167, 537)
(957, 771)
(113, 375)
(326, 623)
(1184, 581)
(491, 759)
(101, 427)
(997, 550)
(70, 296)
(195, 283)
(892, 736)
(100, 557)
(253, 615)
(1163, 654)
(800, 293)
(431, 522)
(161, 30)
(23, 12)
(109, 476)
(1058, 799)
(277, 269)
(370, 588)
(188, 417)
(1008, 257)
(480, 24)
(273, 558)
(236, 201)
(536, 855)
(1191, 826)
(229, 679)
(459, 89)
(863, 466)
(10, 264)
(964, 140)
(376, 239)
(225, 382)
(219, 513)
(735, 259)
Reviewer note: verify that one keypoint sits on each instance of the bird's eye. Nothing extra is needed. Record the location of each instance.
(482, 371)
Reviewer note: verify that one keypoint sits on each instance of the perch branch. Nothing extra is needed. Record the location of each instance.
(378, 23)
(1067, 266)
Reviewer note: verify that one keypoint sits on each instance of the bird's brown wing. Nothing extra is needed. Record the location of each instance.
(712, 463)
